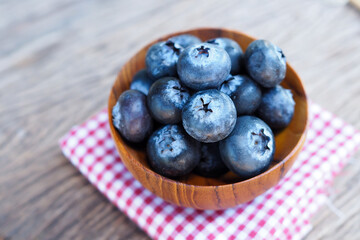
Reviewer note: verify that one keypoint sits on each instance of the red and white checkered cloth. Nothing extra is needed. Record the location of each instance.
(283, 212)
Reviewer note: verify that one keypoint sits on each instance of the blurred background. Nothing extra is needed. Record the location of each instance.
(59, 58)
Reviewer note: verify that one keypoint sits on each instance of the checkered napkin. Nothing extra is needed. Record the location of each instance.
(282, 212)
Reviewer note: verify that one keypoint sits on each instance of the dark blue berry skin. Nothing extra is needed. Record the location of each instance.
(245, 93)
(277, 107)
(141, 82)
(250, 148)
(209, 116)
(131, 117)
(203, 66)
(161, 59)
(185, 40)
(210, 164)
(265, 63)
(166, 100)
(233, 49)
(171, 152)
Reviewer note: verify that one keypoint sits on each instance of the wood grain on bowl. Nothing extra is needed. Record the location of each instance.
(228, 191)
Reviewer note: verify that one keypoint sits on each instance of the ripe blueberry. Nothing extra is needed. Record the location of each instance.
(265, 63)
(209, 116)
(203, 66)
(161, 59)
(277, 107)
(245, 93)
(185, 40)
(141, 81)
(131, 117)
(166, 99)
(171, 152)
(250, 148)
(233, 49)
(210, 164)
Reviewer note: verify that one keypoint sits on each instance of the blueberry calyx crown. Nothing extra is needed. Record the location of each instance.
(166, 142)
(180, 90)
(166, 146)
(261, 138)
(205, 106)
(173, 47)
(203, 51)
(228, 80)
(213, 41)
(281, 53)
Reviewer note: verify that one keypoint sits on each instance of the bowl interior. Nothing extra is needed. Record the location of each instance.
(286, 140)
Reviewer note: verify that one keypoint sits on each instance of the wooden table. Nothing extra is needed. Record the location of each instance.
(59, 58)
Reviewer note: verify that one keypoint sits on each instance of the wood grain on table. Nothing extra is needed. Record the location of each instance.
(59, 58)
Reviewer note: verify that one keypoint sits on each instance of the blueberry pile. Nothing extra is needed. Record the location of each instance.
(207, 107)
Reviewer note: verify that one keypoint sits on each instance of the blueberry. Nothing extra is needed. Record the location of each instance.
(250, 148)
(277, 107)
(185, 40)
(245, 93)
(161, 59)
(203, 66)
(233, 49)
(166, 100)
(209, 116)
(265, 63)
(141, 81)
(210, 164)
(171, 152)
(131, 117)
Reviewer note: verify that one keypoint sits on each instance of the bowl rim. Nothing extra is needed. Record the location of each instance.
(279, 164)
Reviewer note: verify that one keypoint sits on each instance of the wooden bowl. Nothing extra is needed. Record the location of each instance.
(229, 190)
